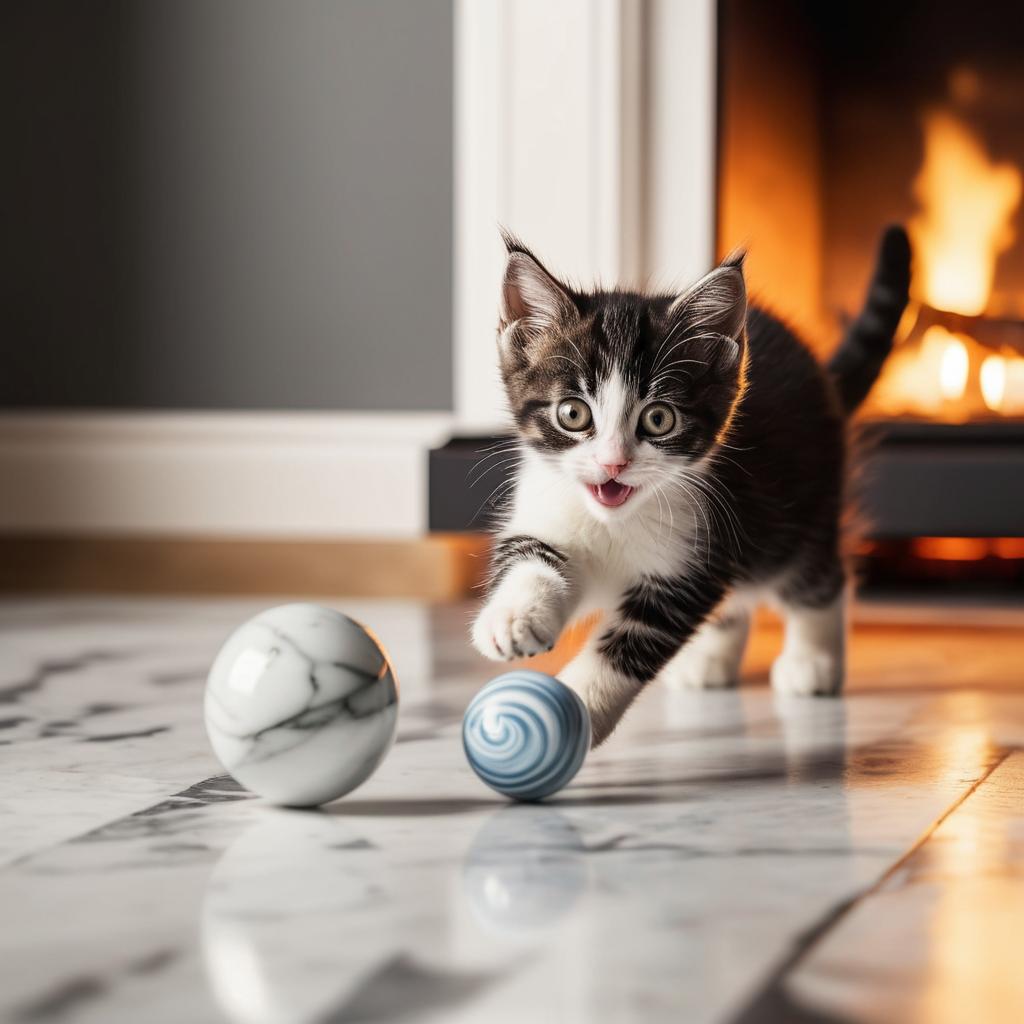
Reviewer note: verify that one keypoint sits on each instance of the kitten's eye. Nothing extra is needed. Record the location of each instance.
(574, 414)
(658, 419)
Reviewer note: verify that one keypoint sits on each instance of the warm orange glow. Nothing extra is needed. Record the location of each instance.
(1008, 547)
(928, 378)
(993, 381)
(568, 646)
(968, 203)
(967, 549)
(951, 549)
(1001, 379)
(1013, 392)
(955, 366)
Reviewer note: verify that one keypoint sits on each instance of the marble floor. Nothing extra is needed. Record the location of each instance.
(726, 857)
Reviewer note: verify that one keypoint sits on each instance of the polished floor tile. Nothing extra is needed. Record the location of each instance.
(939, 937)
(727, 856)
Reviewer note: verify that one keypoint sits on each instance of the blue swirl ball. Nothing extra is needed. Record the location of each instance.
(526, 734)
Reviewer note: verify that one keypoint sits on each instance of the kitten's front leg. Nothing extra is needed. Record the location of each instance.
(655, 618)
(530, 599)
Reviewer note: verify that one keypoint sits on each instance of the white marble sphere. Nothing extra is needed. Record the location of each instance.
(301, 705)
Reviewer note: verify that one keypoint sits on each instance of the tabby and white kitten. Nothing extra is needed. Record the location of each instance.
(682, 456)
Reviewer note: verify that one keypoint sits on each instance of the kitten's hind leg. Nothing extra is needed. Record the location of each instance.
(813, 658)
(711, 660)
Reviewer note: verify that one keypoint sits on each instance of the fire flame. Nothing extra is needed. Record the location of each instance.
(968, 203)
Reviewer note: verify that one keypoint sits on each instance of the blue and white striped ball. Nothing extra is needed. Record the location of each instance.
(526, 734)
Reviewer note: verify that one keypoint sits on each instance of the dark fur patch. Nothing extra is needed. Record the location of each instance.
(510, 550)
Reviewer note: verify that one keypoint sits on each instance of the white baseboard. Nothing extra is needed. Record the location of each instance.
(232, 474)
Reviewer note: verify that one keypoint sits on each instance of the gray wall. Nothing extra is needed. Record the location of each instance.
(226, 204)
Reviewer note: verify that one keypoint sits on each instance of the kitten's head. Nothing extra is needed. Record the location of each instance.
(622, 392)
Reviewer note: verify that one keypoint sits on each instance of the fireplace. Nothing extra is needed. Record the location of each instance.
(836, 118)
(833, 120)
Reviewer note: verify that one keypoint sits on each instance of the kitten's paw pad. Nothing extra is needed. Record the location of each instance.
(502, 632)
(807, 674)
(698, 670)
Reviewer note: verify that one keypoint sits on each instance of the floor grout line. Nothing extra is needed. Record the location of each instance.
(771, 1002)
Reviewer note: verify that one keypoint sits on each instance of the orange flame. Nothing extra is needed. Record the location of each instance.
(968, 203)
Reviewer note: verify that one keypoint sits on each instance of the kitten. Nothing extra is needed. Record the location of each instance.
(681, 456)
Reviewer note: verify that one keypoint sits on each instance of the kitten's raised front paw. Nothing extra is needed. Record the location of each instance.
(505, 631)
(807, 673)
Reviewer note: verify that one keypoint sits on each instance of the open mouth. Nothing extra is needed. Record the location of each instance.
(611, 494)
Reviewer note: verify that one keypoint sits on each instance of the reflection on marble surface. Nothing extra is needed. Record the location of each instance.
(727, 856)
(524, 870)
(289, 885)
(950, 950)
(301, 704)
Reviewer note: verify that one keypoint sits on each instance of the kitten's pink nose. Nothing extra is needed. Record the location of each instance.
(613, 469)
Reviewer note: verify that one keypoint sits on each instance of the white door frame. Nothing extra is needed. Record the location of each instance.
(587, 128)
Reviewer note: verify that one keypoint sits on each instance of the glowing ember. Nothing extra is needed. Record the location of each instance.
(993, 381)
(954, 367)
(1002, 383)
(950, 549)
(968, 203)
(1008, 547)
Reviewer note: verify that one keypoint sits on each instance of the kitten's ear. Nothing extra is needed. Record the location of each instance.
(530, 296)
(717, 304)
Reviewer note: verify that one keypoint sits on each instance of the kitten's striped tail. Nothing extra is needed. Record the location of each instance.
(855, 365)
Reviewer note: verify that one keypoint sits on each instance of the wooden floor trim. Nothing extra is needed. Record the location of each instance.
(435, 568)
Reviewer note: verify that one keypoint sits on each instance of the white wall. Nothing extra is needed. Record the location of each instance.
(251, 208)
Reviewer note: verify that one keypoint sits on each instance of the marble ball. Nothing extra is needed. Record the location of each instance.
(526, 734)
(301, 705)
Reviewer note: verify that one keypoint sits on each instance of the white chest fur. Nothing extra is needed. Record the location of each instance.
(607, 556)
